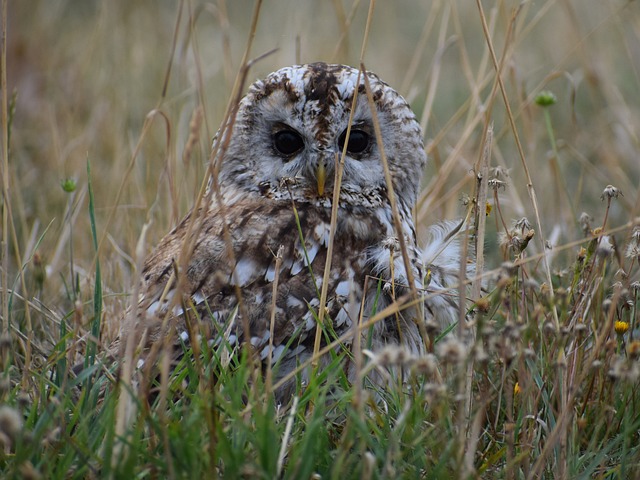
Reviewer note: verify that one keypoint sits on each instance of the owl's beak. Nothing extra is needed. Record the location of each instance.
(321, 177)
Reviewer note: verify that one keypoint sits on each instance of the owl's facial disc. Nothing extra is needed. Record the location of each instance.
(291, 129)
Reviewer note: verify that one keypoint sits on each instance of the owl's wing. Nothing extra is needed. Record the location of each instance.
(441, 257)
(212, 277)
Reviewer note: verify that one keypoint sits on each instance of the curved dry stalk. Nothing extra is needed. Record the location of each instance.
(516, 137)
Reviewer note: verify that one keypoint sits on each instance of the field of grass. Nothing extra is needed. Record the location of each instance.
(108, 111)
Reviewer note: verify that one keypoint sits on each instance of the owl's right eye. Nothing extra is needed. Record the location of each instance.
(287, 142)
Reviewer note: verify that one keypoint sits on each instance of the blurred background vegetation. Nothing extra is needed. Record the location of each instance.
(86, 75)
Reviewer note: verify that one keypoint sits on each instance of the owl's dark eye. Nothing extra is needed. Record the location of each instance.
(358, 141)
(287, 142)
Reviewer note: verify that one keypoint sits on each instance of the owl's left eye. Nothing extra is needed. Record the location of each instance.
(358, 141)
(287, 142)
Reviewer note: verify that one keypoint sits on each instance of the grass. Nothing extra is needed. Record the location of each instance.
(118, 102)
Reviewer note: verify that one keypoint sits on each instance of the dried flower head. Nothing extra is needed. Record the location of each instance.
(393, 355)
(434, 391)
(518, 237)
(610, 192)
(500, 173)
(451, 350)
(624, 369)
(582, 254)
(24, 400)
(426, 364)
(633, 350)
(549, 328)
(10, 422)
(483, 304)
(633, 247)
(523, 225)
(621, 274)
(479, 354)
(581, 328)
(585, 221)
(29, 472)
(496, 184)
(632, 251)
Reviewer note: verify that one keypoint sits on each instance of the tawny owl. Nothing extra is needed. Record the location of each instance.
(274, 189)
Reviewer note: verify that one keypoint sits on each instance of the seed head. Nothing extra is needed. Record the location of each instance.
(393, 355)
(523, 225)
(426, 364)
(496, 184)
(582, 254)
(29, 472)
(483, 305)
(5, 386)
(633, 350)
(5, 343)
(546, 98)
(581, 328)
(624, 369)
(10, 422)
(610, 192)
(632, 251)
(69, 184)
(621, 274)
(500, 173)
(585, 222)
(451, 351)
(633, 248)
(24, 401)
(434, 391)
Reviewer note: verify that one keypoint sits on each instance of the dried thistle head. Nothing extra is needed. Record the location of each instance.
(633, 247)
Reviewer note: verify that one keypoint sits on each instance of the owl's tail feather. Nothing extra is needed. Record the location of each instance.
(441, 257)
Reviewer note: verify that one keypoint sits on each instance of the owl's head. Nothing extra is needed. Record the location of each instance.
(291, 127)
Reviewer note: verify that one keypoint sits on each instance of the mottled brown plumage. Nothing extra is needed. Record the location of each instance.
(281, 161)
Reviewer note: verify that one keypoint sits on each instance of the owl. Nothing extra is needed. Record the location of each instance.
(274, 192)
